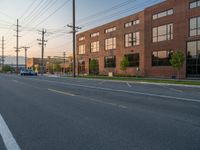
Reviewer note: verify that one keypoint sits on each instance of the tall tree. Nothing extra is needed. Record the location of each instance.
(124, 63)
(177, 60)
(94, 66)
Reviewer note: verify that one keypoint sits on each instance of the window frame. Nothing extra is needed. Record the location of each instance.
(134, 63)
(168, 35)
(96, 48)
(110, 65)
(156, 15)
(113, 44)
(159, 61)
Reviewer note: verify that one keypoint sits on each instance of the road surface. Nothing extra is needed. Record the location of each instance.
(43, 113)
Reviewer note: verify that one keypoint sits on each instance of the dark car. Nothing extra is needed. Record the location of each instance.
(28, 72)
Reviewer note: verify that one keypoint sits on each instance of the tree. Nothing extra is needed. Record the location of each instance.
(7, 68)
(57, 67)
(177, 60)
(124, 63)
(33, 68)
(94, 66)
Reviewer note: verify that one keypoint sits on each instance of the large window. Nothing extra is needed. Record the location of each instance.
(163, 14)
(195, 26)
(81, 67)
(110, 62)
(161, 58)
(132, 23)
(193, 58)
(193, 49)
(110, 43)
(132, 39)
(95, 46)
(163, 33)
(110, 29)
(134, 60)
(195, 4)
(81, 49)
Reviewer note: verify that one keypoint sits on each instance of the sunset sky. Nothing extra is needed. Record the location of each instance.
(54, 15)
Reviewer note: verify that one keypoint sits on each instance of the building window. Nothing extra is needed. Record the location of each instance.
(94, 34)
(81, 67)
(195, 26)
(134, 60)
(81, 38)
(110, 43)
(195, 4)
(163, 14)
(193, 49)
(163, 33)
(132, 39)
(161, 58)
(81, 49)
(110, 30)
(94, 47)
(131, 23)
(110, 62)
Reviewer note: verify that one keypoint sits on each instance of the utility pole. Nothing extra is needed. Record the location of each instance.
(74, 30)
(17, 47)
(64, 59)
(2, 57)
(25, 50)
(42, 43)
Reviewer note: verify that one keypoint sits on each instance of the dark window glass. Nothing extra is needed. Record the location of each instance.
(134, 60)
(110, 62)
(161, 58)
(81, 67)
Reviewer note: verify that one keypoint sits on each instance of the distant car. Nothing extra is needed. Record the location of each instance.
(28, 72)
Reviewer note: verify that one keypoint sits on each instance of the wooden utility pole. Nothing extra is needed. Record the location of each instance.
(42, 43)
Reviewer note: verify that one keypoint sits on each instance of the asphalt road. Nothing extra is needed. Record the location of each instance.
(45, 113)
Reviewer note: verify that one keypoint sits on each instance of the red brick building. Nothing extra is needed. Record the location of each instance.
(148, 39)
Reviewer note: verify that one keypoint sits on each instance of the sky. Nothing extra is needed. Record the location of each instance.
(54, 15)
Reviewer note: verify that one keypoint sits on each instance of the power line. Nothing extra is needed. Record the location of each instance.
(118, 13)
(60, 7)
(29, 7)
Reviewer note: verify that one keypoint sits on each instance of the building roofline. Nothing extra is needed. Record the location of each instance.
(155, 5)
(105, 24)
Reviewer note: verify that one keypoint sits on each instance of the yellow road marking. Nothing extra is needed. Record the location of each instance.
(61, 92)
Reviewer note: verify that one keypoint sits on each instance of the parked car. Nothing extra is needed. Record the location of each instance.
(28, 72)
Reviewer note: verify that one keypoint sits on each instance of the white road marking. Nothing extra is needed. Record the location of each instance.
(61, 92)
(101, 82)
(173, 89)
(129, 85)
(15, 81)
(7, 136)
(122, 91)
(106, 103)
(90, 99)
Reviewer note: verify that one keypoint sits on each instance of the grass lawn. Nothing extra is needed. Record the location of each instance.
(149, 80)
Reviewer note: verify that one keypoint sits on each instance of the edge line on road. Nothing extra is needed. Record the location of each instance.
(8, 139)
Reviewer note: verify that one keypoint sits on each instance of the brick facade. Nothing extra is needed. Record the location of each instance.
(180, 20)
